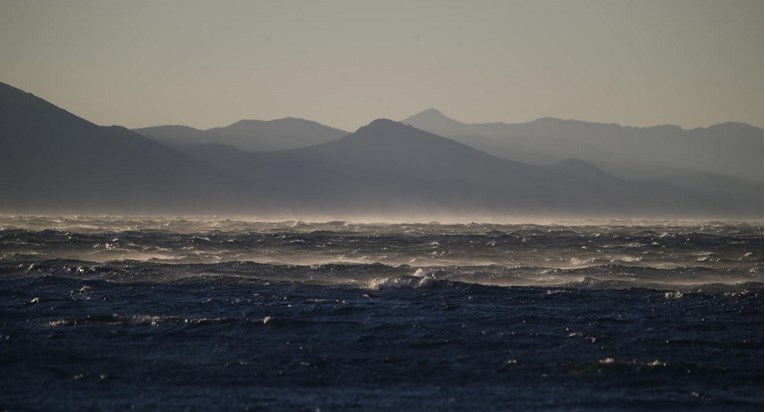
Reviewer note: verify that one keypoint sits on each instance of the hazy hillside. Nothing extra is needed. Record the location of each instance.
(388, 166)
(248, 135)
(729, 149)
(51, 159)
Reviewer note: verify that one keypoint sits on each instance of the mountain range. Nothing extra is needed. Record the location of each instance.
(52, 160)
(729, 149)
(724, 160)
(249, 135)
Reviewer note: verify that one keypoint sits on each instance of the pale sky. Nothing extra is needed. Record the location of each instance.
(344, 63)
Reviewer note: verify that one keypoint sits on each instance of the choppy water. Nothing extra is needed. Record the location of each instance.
(173, 313)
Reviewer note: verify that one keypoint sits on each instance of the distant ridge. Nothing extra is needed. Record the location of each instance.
(727, 149)
(434, 114)
(388, 166)
(248, 135)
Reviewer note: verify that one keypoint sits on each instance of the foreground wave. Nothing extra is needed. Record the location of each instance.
(645, 255)
(375, 276)
(177, 314)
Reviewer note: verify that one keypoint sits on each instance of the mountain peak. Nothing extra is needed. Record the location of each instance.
(382, 122)
(432, 112)
(383, 125)
(432, 120)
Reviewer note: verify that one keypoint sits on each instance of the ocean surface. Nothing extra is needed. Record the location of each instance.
(223, 314)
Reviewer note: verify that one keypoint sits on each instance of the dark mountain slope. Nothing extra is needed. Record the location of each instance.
(387, 165)
(51, 159)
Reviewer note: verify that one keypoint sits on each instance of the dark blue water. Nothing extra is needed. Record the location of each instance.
(179, 314)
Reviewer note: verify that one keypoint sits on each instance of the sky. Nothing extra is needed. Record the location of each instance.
(205, 64)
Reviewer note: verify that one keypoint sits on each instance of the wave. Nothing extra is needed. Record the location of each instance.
(381, 255)
(379, 276)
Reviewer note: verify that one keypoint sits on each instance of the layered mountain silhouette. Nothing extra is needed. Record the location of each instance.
(389, 166)
(248, 135)
(52, 160)
(728, 149)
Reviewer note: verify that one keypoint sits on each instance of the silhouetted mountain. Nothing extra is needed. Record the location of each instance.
(699, 159)
(729, 149)
(395, 147)
(434, 121)
(51, 159)
(248, 135)
(390, 167)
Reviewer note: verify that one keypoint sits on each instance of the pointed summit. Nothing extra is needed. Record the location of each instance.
(431, 114)
(382, 133)
(433, 121)
(403, 150)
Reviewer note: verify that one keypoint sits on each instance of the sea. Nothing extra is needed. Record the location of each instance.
(214, 313)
